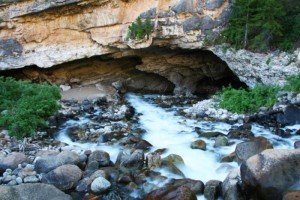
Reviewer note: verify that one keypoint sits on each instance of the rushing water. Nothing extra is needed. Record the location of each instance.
(164, 129)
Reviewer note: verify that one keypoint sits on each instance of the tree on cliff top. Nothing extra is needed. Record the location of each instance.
(260, 25)
(139, 29)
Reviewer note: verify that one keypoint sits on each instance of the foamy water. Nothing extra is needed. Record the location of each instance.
(175, 133)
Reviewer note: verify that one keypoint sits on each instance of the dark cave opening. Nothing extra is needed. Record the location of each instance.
(151, 70)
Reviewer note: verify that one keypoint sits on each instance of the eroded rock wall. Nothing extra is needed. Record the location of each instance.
(46, 33)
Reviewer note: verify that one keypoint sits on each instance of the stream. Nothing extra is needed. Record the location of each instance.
(165, 129)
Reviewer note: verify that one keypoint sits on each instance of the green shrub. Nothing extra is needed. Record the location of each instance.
(25, 106)
(293, 83)
(248, 101)
(138, 30)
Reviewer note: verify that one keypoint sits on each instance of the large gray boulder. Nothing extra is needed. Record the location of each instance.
(32, 191)
(47, 163)
(63, 177)
(245, 150)
(12, 161)
(271, 173)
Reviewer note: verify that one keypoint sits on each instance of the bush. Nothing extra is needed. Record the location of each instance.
(25, 106)
(293, 83)
(138, 30)
(248, 101)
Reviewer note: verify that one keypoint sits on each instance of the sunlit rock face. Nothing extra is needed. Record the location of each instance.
(47, 33)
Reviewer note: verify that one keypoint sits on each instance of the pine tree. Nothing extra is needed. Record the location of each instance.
(148, 27)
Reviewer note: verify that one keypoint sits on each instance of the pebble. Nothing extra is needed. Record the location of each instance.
(100, 185)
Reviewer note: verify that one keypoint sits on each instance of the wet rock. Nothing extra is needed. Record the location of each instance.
(292, 195)
(196, 186)
(212, 189)
(124, 178)
(153, 160)
(143, 144)
(199, 144)
(229, 158)
(221, 141)
(282, 133)
(63, 177)
(32, 191)
(225, 168)
(297, 144)
(281, 170)
(247, 149)
(47, 163)
(100, 185)
(172, 193)
(231, 186)
(172, 162)
(101, 157)
(210, 134)
(243, 131)
(132, 162)
(12, 161)
(92, 166)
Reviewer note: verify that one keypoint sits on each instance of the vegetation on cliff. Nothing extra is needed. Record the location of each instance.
(139, 29)
(263, 25)
(25, 106)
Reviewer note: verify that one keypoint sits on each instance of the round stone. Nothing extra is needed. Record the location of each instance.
(100, 185)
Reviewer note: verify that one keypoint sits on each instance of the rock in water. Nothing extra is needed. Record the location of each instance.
(269, 174)
(212, 189)
(171, 193)
(64, 177)
(101, 157)
(198, 144)
(100, 185)
(32, 191)
(247, 149)
(231, 186)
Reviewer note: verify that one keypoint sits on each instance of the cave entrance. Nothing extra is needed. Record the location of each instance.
(151, 70)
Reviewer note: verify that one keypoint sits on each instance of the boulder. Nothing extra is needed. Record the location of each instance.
(100, 185)
(247, 149)
(172, 162)
(32, 191)
(292, 195)
(84, 184)
(196, 186)
(271, 173)
(290, 116)
(171, 193)
(12, 161)
(101, 157)
(47, 163)
(231, 186)
(212, 189)
(131, 162)
(199, 144)
(143, 144)
(63, 177)
(221, 141)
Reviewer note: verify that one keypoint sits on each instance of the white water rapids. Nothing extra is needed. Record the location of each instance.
(175, 133)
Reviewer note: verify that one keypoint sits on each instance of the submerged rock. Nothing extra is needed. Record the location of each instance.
(271, 173)
(172, 162)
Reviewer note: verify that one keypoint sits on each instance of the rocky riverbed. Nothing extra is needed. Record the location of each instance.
(156, 147)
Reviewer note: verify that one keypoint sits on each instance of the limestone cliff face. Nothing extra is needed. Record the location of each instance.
(49, 32)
